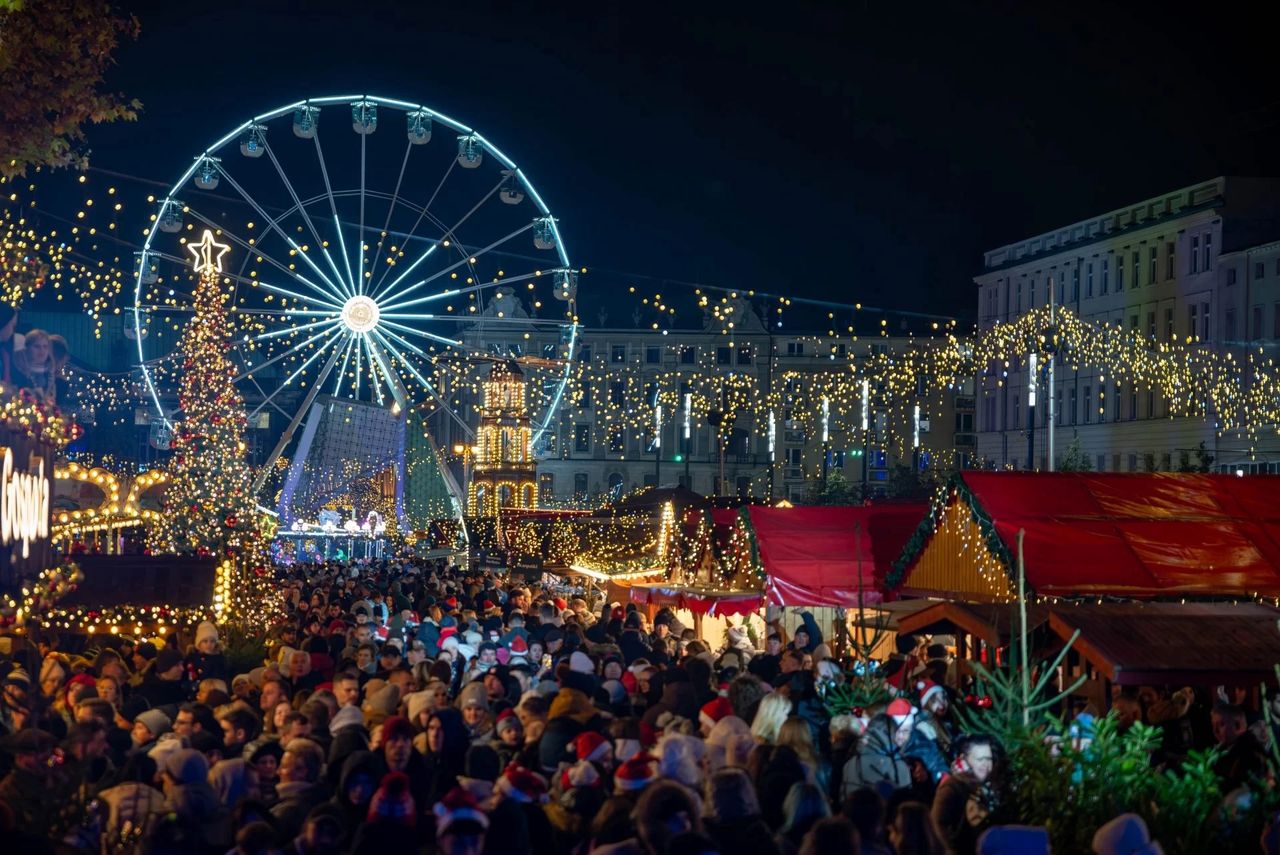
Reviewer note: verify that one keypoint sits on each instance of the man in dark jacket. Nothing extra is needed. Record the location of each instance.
(632, 642)
(299, 789)
(163, 685)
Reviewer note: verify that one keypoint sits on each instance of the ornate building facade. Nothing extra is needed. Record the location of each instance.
(505, 473)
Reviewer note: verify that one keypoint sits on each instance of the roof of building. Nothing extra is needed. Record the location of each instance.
(1135, 536)
(829, 555)
(1174, 644)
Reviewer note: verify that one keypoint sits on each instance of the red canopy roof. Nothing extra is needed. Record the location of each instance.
(1141, 535)
(812, 555)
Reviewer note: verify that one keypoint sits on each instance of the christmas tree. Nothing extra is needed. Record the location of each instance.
(209, 507)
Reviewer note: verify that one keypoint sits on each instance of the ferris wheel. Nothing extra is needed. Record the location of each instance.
(381, 252)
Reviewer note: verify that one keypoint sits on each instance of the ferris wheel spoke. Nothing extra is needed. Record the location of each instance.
(392, 379)
(373, 370)
(449, 235)
(430, 387)
(391, 207)
(294, 349)
(423, 214)
(480, 323)
(342, 372)
(334, 337)
(466, 289)
(333, 209)
(326, 297)
(468, 260)
(283, 332)
(302, 209)
(274, 226)
(293, 376)
(243, 280)
(433, 336)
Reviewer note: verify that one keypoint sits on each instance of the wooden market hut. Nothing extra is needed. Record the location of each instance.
(1152, 569)
(808, 556)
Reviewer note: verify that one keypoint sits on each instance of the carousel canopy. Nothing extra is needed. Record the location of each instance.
(1098, 534)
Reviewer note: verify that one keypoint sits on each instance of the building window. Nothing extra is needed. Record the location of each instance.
(1231, 276)
(1193, 320)
(1106, 276)
(1102, 463)
(688, 355)
(1151, 274)
(1168, 324)
(617, 439)
(1088, 279)
(653, 355)
(584, 396)
(1018, 305)
(1208, 251)
(1073, 405)
(1257, 323)
(584, 353)
(1259, 270)
(1115, 407)
(1275, 323)
(1133, 462)
(1206, 331)
(618, 353)
(1058, 406)
(546, 487)
(1195, 254)
(617, 393)
(1120, 272)
(744, 356)
(1151, 324)
(724, 356)
(1133, 403)
(1088, 404)
(1230, 331)
(1151, 404)
(582, 438)
(1133, 322)
(1170, 259)
(1075, 284)
(580, 485)
(796, 348)
(1137, 268)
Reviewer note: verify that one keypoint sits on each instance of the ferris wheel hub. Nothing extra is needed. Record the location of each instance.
(360, 314)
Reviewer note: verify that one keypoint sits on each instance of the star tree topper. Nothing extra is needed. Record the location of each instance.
(208, 253)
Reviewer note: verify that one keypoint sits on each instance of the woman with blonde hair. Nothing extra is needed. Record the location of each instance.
(770, 716)
(796, 734)
(35, 361)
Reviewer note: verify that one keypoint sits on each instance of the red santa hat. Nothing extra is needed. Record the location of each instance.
(590, 745)
(561, 603)
(928, 690)
(580, 774)
(901, 711)
(518, 646)
(447, 633)
(452, 602)
(458, 806)
(715, 710)
(522, 785)
(636, 774)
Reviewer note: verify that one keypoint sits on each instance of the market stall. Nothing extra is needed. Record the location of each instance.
(1104, 535)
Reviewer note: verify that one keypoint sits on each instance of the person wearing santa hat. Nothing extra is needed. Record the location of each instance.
(880, 759)
(633, 776)
(594, 748)
(712, 711)
(461, 825)
(520, 794)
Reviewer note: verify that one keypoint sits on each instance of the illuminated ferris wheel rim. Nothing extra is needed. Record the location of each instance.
(357, 313)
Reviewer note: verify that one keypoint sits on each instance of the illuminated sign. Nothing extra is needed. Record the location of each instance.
(24, 504)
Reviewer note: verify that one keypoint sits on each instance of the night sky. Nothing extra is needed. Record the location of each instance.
(845, 151)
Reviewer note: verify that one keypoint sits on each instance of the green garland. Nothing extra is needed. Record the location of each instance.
(928, 527)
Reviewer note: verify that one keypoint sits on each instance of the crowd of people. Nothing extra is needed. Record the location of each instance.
(411, 706)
